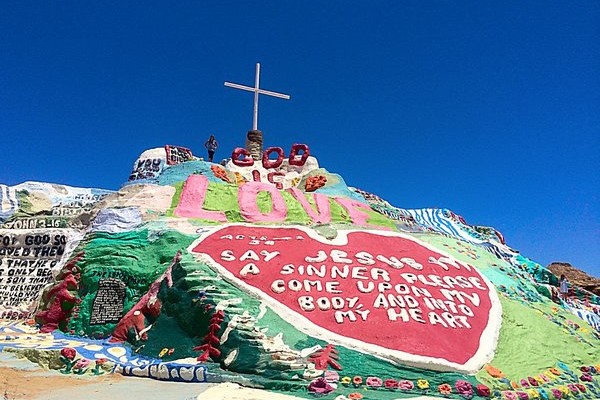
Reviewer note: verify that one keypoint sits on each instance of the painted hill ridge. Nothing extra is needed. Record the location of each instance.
(275, 273)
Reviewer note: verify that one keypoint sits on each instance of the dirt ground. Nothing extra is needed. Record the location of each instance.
(31, 384)
(21, 379)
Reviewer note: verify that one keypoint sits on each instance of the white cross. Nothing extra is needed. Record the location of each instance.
(257, 91)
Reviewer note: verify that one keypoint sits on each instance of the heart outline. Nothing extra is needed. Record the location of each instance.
(487, 341)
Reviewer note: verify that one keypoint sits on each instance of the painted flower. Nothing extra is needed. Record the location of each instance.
(539, 380)
(346, 381)
(522, 396)
(564, 389)
(83, 363)
(163, 352)
(554, 371)
(508, 395)
(585, 368)
(580, 387)
(423, 384)
(586, 377)
(464, 388)
(543, 394)
(101, 361)
(320, 386)
(355, 396)
(331, 376)
(69, 353)
(594, 369)
(524, 383)
(514, 385)
(562, 365)
(545, 378)
(557, 394)
(391, 384)
(357, 380)
(445, 389)
(533, 394)
(374, 382)
(406, 385)
(532, 381)
(572, 388)
(482, 390)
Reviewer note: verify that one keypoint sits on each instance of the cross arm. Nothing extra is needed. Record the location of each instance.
(236, 86)
(274, 94)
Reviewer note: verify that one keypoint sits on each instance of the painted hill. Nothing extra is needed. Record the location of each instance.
(274, 273)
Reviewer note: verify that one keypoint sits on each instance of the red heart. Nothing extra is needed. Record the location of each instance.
(424, 307)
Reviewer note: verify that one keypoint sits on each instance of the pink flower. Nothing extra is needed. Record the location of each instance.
(406, 385)
(483, 391)
(320, 386)
(523, 396)
(83, 363)
(572, 388)
(331, 376)
(374, 382)
(524, 383)
(509, 395)
(580, 387)
(391, 384)
(557, 393)
(69, 353)
(464, 388)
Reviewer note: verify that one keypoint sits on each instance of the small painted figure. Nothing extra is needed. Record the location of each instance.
(211, 145)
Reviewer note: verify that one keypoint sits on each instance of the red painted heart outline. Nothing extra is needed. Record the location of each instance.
(469, 361)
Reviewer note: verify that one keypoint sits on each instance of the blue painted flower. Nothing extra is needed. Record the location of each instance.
(563, 366)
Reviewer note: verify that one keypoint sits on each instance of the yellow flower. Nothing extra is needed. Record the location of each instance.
(423, 384)
(533, 394)
(163, 352)
(564, 389)
(346, 380)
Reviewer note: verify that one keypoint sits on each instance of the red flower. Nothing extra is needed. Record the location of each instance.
(483, 391)
(532, 380)
(391, 384)
(586, 377)
(69, 353)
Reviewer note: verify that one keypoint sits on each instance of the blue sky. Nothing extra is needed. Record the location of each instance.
(491, 109)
